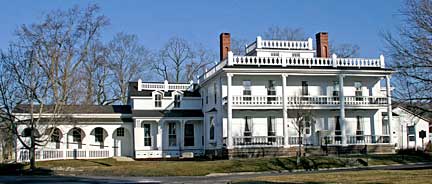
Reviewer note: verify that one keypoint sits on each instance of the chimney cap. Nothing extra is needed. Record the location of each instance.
(225, 33)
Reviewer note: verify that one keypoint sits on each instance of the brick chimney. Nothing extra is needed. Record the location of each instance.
(322, 44)
(225, 45)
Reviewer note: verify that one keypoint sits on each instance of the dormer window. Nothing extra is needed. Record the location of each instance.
(177, 101)
(158, 100)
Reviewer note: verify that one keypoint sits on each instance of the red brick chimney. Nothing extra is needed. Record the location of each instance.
(322, 44)
(225, 45)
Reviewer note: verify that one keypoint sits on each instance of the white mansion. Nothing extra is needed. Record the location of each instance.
(245, 106)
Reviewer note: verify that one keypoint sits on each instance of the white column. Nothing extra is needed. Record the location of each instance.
(342, 109)
(284, 110)
(389, 106)
(159, 140)
(181, 135)
(229, 110)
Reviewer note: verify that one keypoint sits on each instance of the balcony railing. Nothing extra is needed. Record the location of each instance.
(164, 86)
(257, 100)
(270, 100)
(258, 141)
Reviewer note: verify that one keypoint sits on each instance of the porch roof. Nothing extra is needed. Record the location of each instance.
(167, 113)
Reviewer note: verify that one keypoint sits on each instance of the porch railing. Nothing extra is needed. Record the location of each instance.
(258, 141)
(54, 154)
(367, 139)
(355, 139)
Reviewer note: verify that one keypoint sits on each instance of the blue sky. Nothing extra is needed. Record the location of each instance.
(356, 22)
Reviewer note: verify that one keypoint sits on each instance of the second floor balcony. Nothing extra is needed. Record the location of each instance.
(275, 101)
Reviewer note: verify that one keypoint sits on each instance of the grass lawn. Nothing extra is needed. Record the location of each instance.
(102, 167)
(371, 176)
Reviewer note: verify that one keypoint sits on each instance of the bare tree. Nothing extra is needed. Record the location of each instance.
(410, 50)
(61, 43)
(25, 82)
(128, 60)
(179, 61)
(345, 50)
(284, 33)
(238, 46)
(97, 78)
(301, 118)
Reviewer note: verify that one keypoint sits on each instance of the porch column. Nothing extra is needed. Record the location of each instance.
(181, 135)
(342, 109)
(389, 107)
(159, 141)
(284, 110)
(229, 110)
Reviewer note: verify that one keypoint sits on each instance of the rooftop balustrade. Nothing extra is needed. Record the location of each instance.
(286, 62)
(162, 86)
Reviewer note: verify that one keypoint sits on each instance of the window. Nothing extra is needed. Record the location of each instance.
(271, 128)
(26, 132)
(212, 129)
(358, 91)
(120, 132)
(271, 91)
(189, 139)
(76, 135)
(215, 92)
(307, 125)
(274, 54)
(336, 90)
(385, 124)
(248, 126)
(177, 101)
(360, 129)
(338, 132)
(248, 129)
(158, 100)
(172, 136)
(247, 90)
(296, 55)
(98, 133)
(55, 136)
(147, 134)
(305, 88)
(411, 133)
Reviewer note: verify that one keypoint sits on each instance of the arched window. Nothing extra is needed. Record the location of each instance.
(56, 135)
(76, 135)
(99, 134)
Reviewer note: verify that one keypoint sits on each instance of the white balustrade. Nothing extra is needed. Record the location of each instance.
(294, 61)
(59, 154)
(258, 141)
(285, 44)
(257, 100)
(161, 86)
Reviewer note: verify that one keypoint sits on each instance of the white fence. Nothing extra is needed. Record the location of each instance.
(42, 154)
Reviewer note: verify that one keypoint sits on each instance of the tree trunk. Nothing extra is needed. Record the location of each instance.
(299, 149)
(32, 152)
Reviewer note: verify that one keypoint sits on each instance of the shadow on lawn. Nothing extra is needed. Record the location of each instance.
(19, 169)
(100, 163)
